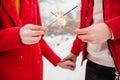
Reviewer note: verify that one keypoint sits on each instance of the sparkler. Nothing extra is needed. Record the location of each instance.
(53, 13)
(60, 18)
(70, 10)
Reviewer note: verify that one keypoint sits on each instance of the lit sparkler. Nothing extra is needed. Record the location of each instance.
(60, 18)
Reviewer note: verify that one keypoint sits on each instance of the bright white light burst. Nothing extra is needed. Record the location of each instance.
(61, 20)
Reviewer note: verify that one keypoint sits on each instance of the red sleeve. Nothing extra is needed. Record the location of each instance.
(39, 21)
(48, 53)
(9, 39)
(76, 48)
(46, 50)
(114, 25)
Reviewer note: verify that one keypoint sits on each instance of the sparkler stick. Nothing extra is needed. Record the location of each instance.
(52, 22)
(53, 13)
(70, 10)
(66, 12)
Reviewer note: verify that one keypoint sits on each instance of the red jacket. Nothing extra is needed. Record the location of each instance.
(111, 18)
(17, 61)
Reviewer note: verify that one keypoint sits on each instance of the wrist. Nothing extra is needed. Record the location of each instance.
(110, 33)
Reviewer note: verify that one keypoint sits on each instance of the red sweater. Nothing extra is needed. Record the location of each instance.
(17, 61)
(111, 18)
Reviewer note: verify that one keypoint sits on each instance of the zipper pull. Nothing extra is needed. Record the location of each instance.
(117, 77)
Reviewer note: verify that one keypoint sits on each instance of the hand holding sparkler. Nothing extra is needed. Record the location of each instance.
(95, 34)
(31, 34)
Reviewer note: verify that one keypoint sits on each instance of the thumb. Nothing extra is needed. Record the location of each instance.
(67, 58)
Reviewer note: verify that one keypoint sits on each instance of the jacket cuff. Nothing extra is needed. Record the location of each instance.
(114, 25)
(76, 48)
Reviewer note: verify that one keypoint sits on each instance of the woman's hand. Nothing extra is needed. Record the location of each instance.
(31, 34)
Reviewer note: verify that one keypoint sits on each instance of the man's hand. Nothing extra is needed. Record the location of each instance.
(97, 33)
(31, 34)
(70, 57)
(69, 62)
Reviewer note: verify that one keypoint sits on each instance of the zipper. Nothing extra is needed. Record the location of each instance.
(117, 77)
(117, 74)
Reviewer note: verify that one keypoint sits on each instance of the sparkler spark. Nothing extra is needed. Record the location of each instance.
(61, 20)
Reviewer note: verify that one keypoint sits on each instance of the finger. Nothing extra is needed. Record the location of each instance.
(37, 27)
(87, 41)
(33, 27)
(31, 40)
(70, 63)
(37, 33)
(73, 60)
(83, 37)
(67, 65)
(70, 68)
(80, 31)
(69, 57)
(90, 41)
(35, 39)
(66, 58)
(43, 28)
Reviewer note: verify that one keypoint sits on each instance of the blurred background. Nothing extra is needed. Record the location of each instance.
(59, 8)
(60, 35)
